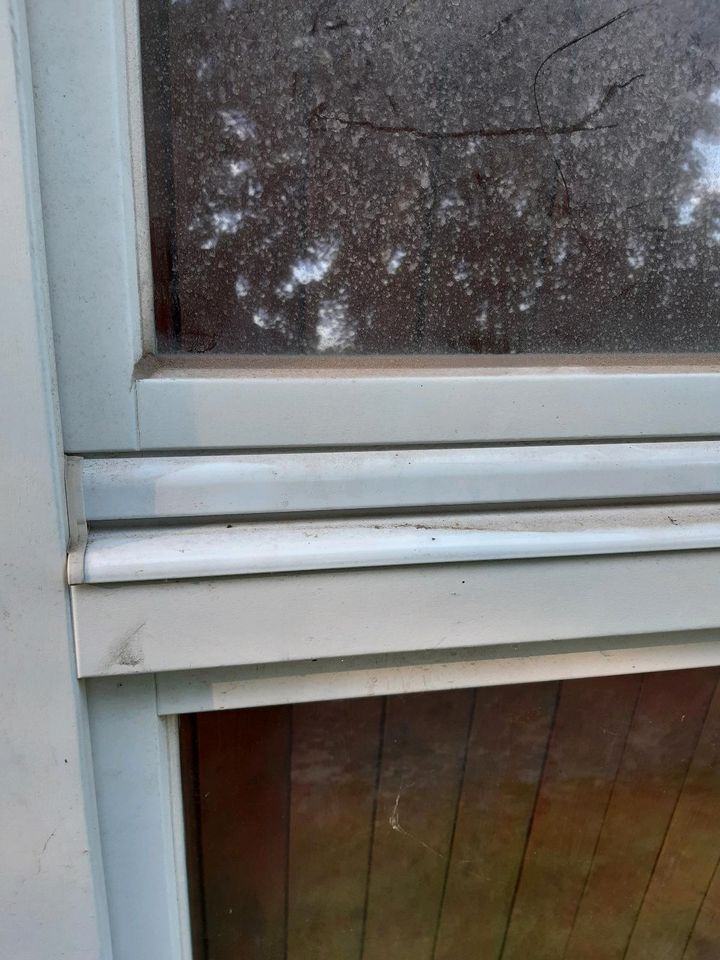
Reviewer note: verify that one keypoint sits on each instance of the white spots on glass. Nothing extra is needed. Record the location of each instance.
(318, 262)
(504, 188)
(238, 167)
(222, 223)
(450, 206)
(263, 319)
(527, 298)
(230, 194)
(635, 256)
(561, 251)
(394, 259)
(708, 153)
(312, 268)
(443, 189)
(334, 329)
(461, 271)
(226, 221)
(686, 211)
(707, 156)
(204, 68)
(242, 286)
(404, 158)
(216, 225)
(451, 201)
(520, 203)
(238, 123)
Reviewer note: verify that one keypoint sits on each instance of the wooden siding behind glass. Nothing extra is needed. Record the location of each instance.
(558, 821)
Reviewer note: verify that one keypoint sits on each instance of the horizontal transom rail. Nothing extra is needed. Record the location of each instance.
(127, 488)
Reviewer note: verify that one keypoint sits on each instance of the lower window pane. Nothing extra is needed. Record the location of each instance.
(556, 820)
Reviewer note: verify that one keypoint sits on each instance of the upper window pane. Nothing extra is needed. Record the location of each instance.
(408, 176)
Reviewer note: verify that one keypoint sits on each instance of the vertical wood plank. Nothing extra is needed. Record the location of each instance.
(688, 859)
(586, 745)
(244, 766)
(424, 748)
(670, 714)
(335, 756)
(704, 940)
(189, 764)
(507, 747)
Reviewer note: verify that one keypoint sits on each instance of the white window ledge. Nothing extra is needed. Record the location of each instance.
(150, 627)
(232, 549)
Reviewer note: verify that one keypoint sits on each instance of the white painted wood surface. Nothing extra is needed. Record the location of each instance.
(139, 808)
(181, 409)
(52, 896)
(127, 488)
(81, 95)
(230, 621)
(229, 549)
(386, 674)
(51, 888)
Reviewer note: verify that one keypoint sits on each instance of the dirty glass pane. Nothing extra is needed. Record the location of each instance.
(552, 821)
(415, 176)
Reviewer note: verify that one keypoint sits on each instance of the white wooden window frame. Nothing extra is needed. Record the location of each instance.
(618, 428)
(134, 738)
(150, 650)
(52, 889)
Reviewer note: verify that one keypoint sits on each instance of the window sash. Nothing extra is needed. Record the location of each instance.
(89, 124)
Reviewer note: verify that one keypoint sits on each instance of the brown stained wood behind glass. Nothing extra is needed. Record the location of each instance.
(407, 176)
(554, 821)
